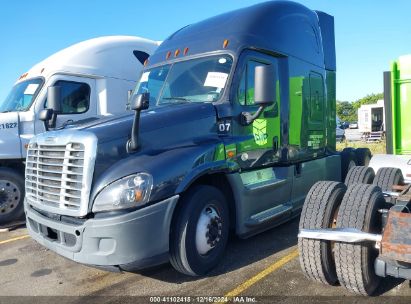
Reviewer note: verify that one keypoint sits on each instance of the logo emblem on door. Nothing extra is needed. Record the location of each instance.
(260, 132)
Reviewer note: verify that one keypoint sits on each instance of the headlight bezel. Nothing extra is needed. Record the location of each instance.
(118, 194)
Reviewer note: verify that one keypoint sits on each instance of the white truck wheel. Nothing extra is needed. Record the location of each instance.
(11, 196)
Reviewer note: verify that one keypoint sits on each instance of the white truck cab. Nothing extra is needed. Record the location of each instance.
(94, 77)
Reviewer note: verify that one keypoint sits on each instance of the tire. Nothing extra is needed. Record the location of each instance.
(200, 207)
(11, 196)
(355, 261)
(387, 177)
(319, 211)
(362, 156)
(347, 161)
(360, 175)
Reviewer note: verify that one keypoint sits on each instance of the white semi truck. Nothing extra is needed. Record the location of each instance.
(93, 78)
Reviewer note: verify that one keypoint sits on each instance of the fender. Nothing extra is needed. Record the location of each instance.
(173, 170)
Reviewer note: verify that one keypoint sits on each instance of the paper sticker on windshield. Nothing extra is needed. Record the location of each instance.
(216, 79)
(31, 89)
(144, 77)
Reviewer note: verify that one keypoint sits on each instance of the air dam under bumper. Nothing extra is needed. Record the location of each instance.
(138, 237)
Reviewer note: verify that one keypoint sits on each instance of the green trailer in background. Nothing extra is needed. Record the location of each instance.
(360, 231)
(400, 101)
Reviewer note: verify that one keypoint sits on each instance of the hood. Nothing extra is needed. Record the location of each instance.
(113, 127)
(161, 128)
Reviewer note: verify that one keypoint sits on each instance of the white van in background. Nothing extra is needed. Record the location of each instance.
(93, 78)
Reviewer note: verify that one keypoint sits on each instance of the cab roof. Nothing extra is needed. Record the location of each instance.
(109, 56)
(282, 27)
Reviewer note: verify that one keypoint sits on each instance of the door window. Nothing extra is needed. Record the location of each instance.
(75, 97)
(246, 88)
(316, 98)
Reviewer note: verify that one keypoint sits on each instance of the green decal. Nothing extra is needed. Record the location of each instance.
(260, 131)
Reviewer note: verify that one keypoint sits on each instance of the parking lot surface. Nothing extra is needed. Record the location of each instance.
(264, 268)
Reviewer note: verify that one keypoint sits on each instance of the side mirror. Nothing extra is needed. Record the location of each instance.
(140, 102)
(54, 99)
(264, 85)
(49, 115)
(46, 115)
(264, 92)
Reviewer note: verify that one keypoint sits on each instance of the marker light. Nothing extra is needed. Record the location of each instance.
(185, 51)
(230, 154)
(145, 62)
(168, 55)
(225, 43)
(176, 53)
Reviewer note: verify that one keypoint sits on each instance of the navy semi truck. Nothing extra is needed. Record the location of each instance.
(234, 122)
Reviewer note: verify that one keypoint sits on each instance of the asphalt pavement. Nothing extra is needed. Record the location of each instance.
(264, 268)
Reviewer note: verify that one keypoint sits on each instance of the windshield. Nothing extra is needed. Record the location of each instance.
(21, 95)
(195, 80)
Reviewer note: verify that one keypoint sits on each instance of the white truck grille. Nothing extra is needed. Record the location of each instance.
(59, 172)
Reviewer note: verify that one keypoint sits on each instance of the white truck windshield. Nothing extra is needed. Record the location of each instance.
(196, 80)
(21, 96)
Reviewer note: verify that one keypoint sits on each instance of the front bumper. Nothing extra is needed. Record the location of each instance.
(137, 238)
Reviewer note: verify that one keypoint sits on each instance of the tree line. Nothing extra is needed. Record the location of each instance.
(348, 111)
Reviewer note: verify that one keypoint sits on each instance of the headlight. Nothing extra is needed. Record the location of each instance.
(130, 191)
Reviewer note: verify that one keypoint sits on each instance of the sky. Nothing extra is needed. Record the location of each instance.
(369, 33)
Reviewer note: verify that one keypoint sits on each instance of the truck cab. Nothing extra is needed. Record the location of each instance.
(94, 77)
(234, 121)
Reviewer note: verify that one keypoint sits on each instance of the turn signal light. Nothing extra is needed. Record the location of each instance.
(176, 53)
(225, 43)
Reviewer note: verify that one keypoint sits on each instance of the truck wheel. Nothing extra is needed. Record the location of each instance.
(320, 211)
(11, 196)
(355, 261)
(360, 175)
(387, 177)
(200, 231)
(362, 156)
(347, 161)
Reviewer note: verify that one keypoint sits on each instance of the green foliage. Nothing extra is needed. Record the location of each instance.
(347, 111)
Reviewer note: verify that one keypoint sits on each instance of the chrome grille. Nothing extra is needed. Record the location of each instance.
(58, 175)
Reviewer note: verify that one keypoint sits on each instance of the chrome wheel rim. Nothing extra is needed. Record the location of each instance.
(9, 197)
(209, 230)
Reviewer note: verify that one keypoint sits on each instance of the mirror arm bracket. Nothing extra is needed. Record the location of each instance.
(248, 118)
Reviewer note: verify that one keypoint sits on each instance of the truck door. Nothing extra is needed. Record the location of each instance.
(78, 100)
(258, 143)
(266, 189)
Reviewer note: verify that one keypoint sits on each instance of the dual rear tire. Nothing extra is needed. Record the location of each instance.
(332, 204)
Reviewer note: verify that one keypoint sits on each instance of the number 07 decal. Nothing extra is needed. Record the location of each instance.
(224, 126)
